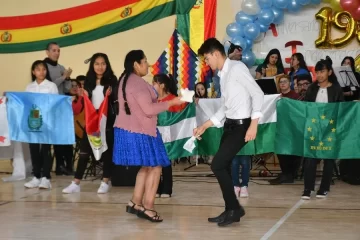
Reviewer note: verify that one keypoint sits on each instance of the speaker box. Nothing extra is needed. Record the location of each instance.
(124, 176)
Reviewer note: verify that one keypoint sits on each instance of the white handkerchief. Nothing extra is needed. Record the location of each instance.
(190, 144)
(187, 95)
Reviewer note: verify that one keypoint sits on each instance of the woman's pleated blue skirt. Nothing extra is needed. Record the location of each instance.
(136, 149)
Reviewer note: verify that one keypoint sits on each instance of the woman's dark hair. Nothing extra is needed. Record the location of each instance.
(279, 64)
(168, 81)
(327, 64)
(37, 63)
(91, 74)
(352, 62)
(302, 63)
(205, 94)
(132, 57)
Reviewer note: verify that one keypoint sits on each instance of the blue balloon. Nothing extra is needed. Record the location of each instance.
(251, 31)
(279, 15)
(281, 3)
(315, 2)
(293, 6)
(265, 3)
(234, 29)
(266, 16)
(249, 44)
(243, 19)
(304, 2)
(248, 58)
(263, 28)
(239, 41)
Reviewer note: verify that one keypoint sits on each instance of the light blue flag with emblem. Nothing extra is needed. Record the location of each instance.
(40, 118)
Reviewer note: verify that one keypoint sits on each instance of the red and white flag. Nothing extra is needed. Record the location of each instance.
(4, 127)
(95, 126)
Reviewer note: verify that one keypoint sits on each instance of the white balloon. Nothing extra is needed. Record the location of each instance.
(259, 38)
(250, 7)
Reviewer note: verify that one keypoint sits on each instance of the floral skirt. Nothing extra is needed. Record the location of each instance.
(136, 149)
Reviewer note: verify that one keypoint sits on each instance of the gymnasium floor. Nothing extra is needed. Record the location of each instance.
(272, 212)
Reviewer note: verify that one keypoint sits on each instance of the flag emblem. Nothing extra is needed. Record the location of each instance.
(35, 119)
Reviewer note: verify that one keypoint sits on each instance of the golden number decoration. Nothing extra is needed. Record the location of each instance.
(342, 21)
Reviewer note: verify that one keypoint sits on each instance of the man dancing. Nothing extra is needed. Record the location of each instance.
(242, 101)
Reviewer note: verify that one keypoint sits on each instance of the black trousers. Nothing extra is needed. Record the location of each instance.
(166, 181)
(86, 152)
(41, 159)
(64, 156)
(232, 141)
(310, 165)
(289, 164)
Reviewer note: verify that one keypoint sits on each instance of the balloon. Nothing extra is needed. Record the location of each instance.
(304, 2)
(356, 13)
(235, 29)
(324, 15)
(259, 38)
(266, 16)
(335, 4)
(263, 28)
(281, 3)
(315, 2)
(279, 15)
(248, 58)
(243, 18)
(293, 6)
(348, 25)
(239, 41)
(265, 3)
(349, 5)
(249, 44)
(250, 7)
(251, 31)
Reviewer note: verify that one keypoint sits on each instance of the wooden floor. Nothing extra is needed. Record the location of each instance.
(272, 212)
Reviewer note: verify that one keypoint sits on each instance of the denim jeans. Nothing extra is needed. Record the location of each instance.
(244, 161)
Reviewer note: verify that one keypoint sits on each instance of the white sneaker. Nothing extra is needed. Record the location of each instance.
(34, 183)
(104, 188)
(237, 191)
(45, 183)
(244, 193)
(72, 188)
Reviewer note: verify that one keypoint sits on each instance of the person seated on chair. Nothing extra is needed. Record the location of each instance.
(166, 89)
(100, 80)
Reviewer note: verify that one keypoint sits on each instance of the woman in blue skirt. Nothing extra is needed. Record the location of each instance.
(137, 142)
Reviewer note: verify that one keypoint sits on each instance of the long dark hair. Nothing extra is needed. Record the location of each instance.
(327, 64)
(196, 93)
(168, 81)
(37, 63)
(91, 77)
(132, 57)
(352, 62)
(302, 63)
(279, 64)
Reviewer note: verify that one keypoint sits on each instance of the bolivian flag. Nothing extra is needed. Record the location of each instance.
(83, 23)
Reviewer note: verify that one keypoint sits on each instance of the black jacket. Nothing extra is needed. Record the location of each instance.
(113, 105)
(335, 93)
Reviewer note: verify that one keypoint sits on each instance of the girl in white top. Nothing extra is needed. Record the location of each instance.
(40, 153)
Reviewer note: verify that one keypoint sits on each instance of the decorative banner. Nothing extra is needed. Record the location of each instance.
(179, 60)
(197, 26)
(117, 17)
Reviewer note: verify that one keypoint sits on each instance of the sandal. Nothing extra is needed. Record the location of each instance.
(142, 214)
(132, 209)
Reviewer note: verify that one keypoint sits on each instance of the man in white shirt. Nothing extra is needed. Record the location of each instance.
(242, 101)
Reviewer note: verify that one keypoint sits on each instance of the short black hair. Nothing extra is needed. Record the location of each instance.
(233, 47)
(50, 44)
(81, 78)
(302, 77)
(210, 45)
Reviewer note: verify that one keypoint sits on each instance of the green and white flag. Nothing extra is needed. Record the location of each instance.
(177, 128)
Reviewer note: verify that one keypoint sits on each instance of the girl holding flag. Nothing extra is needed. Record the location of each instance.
(100, 79)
